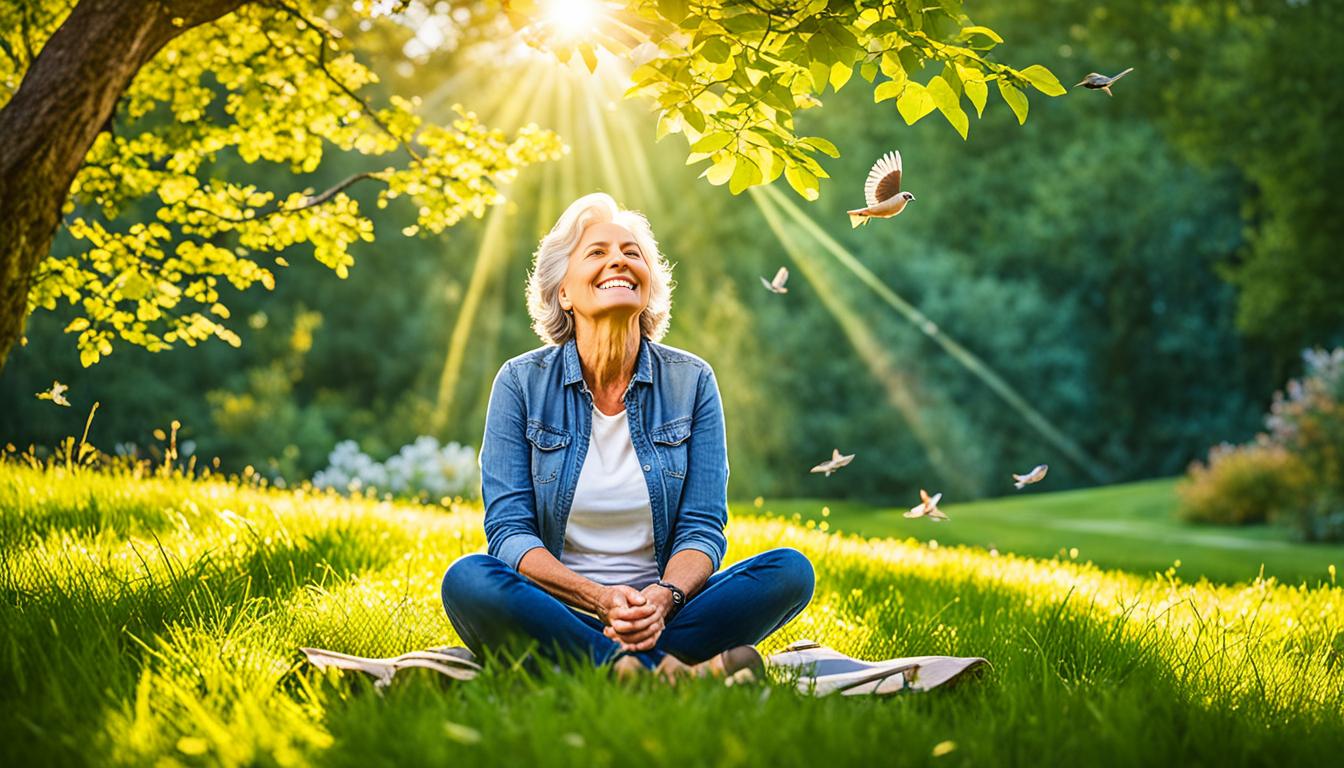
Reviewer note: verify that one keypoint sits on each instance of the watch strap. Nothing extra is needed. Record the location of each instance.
(678, 596)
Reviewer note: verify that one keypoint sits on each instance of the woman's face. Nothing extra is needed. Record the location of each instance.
(608, 275)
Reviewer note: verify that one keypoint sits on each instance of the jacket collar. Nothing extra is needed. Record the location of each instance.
(573, 370)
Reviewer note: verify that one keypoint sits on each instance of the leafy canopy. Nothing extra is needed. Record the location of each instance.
(730, 75)
(157, 230)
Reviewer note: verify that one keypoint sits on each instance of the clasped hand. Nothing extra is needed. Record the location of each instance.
(635, 618)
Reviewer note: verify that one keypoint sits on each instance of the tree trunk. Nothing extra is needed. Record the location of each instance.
(47, 128)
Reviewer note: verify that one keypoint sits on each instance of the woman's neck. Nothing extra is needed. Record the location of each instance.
(608, 352)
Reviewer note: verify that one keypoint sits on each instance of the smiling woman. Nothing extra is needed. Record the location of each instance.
(604, 471)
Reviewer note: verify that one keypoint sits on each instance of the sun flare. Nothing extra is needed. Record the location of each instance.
(572, 19)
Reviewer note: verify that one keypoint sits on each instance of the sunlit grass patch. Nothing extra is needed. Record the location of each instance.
(175, 640)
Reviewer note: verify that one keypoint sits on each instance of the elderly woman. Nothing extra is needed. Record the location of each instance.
(604, 470)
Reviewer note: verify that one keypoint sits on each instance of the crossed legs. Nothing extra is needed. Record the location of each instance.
(493, 607)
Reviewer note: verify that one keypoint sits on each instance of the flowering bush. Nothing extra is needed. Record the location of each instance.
(420, 470)
(1295, 469)
(1307, 419)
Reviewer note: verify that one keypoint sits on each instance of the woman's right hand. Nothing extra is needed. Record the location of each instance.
(631, 617)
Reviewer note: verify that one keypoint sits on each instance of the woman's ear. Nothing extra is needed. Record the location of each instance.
(564, 300)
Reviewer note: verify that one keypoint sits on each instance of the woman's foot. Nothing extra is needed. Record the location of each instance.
(738, 665)
(628, 668)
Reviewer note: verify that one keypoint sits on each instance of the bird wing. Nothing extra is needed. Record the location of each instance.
(781, 277)
(884, 180)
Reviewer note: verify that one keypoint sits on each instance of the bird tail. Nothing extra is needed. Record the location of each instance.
(1021, 483)
(1122, 74)
(856, 221)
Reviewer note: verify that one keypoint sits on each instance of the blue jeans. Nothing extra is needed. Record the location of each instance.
(493, 607)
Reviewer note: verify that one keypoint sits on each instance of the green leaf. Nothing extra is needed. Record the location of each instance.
(888, 90)
(694, 117)
(745, 174)
(868, 70)
(715, 50)
(821, 74)
(1043, 80)
(968, 32)
(947, 102)
(804, 183)
(712, 142)
(673, 10)
(840, 74)
(819, 50)
(1015, 99)
(821, 145)
(721, 170)
(977, 92)
(914, 103)
(745, 23)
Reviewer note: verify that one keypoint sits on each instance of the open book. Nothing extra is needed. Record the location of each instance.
(823, 670)
(819, 670)
(455, 662)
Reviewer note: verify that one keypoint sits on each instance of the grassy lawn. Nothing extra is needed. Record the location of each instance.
(1130, 527)
(156, 621)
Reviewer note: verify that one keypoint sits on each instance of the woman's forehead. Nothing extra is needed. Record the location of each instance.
(607, 232)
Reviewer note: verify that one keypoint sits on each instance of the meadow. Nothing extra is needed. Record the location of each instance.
(154, 619)
(1132, 527)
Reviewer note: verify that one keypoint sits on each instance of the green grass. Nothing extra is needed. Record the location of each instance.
(1131, 527)
(156, 621)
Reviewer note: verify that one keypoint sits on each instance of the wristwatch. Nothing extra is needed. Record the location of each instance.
(678, 597)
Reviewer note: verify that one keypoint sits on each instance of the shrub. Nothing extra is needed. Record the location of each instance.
(1293, 472)
(420, 470)
(1242, 484)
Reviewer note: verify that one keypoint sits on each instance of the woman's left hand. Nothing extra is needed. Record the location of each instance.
(643, 634)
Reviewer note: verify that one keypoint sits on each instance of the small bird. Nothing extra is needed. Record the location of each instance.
(777, 285)
(1034, 476)
(835, 462)
(56, 394)
(927, 507)
(1097, 82)
(882, 191)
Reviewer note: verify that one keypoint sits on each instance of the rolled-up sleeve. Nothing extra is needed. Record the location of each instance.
(506, 474)
(703, 514)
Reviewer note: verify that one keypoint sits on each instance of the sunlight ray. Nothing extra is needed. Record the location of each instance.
(601, 140)
(491, 257)
(968, 360)
(860, 333)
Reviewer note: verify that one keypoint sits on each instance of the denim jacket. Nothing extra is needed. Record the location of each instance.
(537, 431)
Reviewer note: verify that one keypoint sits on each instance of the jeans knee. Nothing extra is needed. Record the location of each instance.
(796, 576)
(467, 578)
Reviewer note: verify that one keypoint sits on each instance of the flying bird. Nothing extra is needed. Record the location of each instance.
(56, 394)
(777, 285)
(835, 462)
(1096, 82)
(1034, 476)
(882, 191)
(927, 507)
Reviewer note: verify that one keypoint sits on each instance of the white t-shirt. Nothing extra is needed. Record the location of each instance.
(609, 534)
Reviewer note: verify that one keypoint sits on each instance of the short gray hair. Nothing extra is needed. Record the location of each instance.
(551, 262)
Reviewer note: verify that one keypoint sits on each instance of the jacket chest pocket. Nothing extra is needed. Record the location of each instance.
(547, 457)
(670, 441)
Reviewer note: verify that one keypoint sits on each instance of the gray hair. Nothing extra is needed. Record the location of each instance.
(551, 262)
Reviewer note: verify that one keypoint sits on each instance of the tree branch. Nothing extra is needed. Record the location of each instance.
(311, 201)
